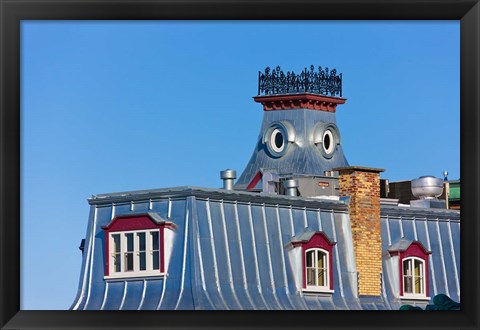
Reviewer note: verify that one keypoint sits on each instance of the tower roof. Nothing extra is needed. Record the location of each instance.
(294, 139)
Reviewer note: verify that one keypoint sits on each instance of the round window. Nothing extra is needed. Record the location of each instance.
(277, 140)
(327, 142)
(278, 137)
(326, 138)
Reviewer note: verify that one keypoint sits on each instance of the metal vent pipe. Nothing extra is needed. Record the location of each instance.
(290, 186)
(228, 176)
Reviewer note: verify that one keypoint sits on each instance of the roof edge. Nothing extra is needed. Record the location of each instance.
(217, 194)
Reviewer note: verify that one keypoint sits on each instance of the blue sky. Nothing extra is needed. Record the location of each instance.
(131, 105)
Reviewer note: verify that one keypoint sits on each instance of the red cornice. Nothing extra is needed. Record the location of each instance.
(299, 101)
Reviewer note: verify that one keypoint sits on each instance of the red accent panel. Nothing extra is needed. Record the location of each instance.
(304, 273)
(132, 223)
(107, 259)
(400, 261)
(321, 241)
(254, 181)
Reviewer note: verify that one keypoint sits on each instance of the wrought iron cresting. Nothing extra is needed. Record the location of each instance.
(323, 82)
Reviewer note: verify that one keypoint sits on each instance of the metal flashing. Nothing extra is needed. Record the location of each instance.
(218, 194)
(427, 213)
(403, 244)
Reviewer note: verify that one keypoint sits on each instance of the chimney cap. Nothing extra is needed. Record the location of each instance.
(290, 183)
(359, 169)
(228, 174)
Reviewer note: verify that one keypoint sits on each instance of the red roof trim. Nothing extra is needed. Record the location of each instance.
(141, 222)
(255, 180)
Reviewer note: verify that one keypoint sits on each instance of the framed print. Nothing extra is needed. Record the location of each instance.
(143, 105)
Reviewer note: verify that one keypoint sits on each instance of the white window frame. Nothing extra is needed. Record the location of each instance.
(423, 278)
(136, 272)
(318, 288)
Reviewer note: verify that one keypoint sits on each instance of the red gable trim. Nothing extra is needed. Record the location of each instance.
(134, 222)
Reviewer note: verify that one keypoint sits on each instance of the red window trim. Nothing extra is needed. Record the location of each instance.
(319, 241)
(139, 222)
(417, 250)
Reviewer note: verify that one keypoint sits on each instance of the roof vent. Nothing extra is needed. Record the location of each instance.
(290, 186)
(228, 176)
(427, 187)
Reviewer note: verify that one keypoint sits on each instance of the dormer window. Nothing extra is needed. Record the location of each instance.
(135, 252)
(317, 269)
(413, 268)
(315, 250)
(136, 246)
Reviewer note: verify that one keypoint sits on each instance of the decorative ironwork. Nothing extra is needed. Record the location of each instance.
(323, 82)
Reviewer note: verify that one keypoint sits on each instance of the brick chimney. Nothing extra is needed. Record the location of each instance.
(362, 184)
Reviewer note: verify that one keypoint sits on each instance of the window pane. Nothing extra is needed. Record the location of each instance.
(418, 268)
(321, 277)
(418, 285)
(156, 260)
(143, 260)
(418, 271)
(129, 261)
(141, 241)
(116, 242)
(117, 261)
(129, 242)
(406, 267)
(321, 262)
(320, 256)
(311, 276)
(310, 258)
(155, 240)
(407, 284)
(155, 250)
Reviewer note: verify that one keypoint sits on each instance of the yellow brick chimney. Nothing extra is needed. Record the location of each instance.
(362, 184)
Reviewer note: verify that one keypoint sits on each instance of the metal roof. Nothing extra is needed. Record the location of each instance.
(230, 251)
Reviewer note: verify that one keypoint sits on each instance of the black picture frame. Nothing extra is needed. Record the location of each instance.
(13, 11)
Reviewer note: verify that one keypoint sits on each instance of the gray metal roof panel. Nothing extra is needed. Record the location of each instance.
(230, 253)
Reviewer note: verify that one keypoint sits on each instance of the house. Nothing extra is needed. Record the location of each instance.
(301, 228)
